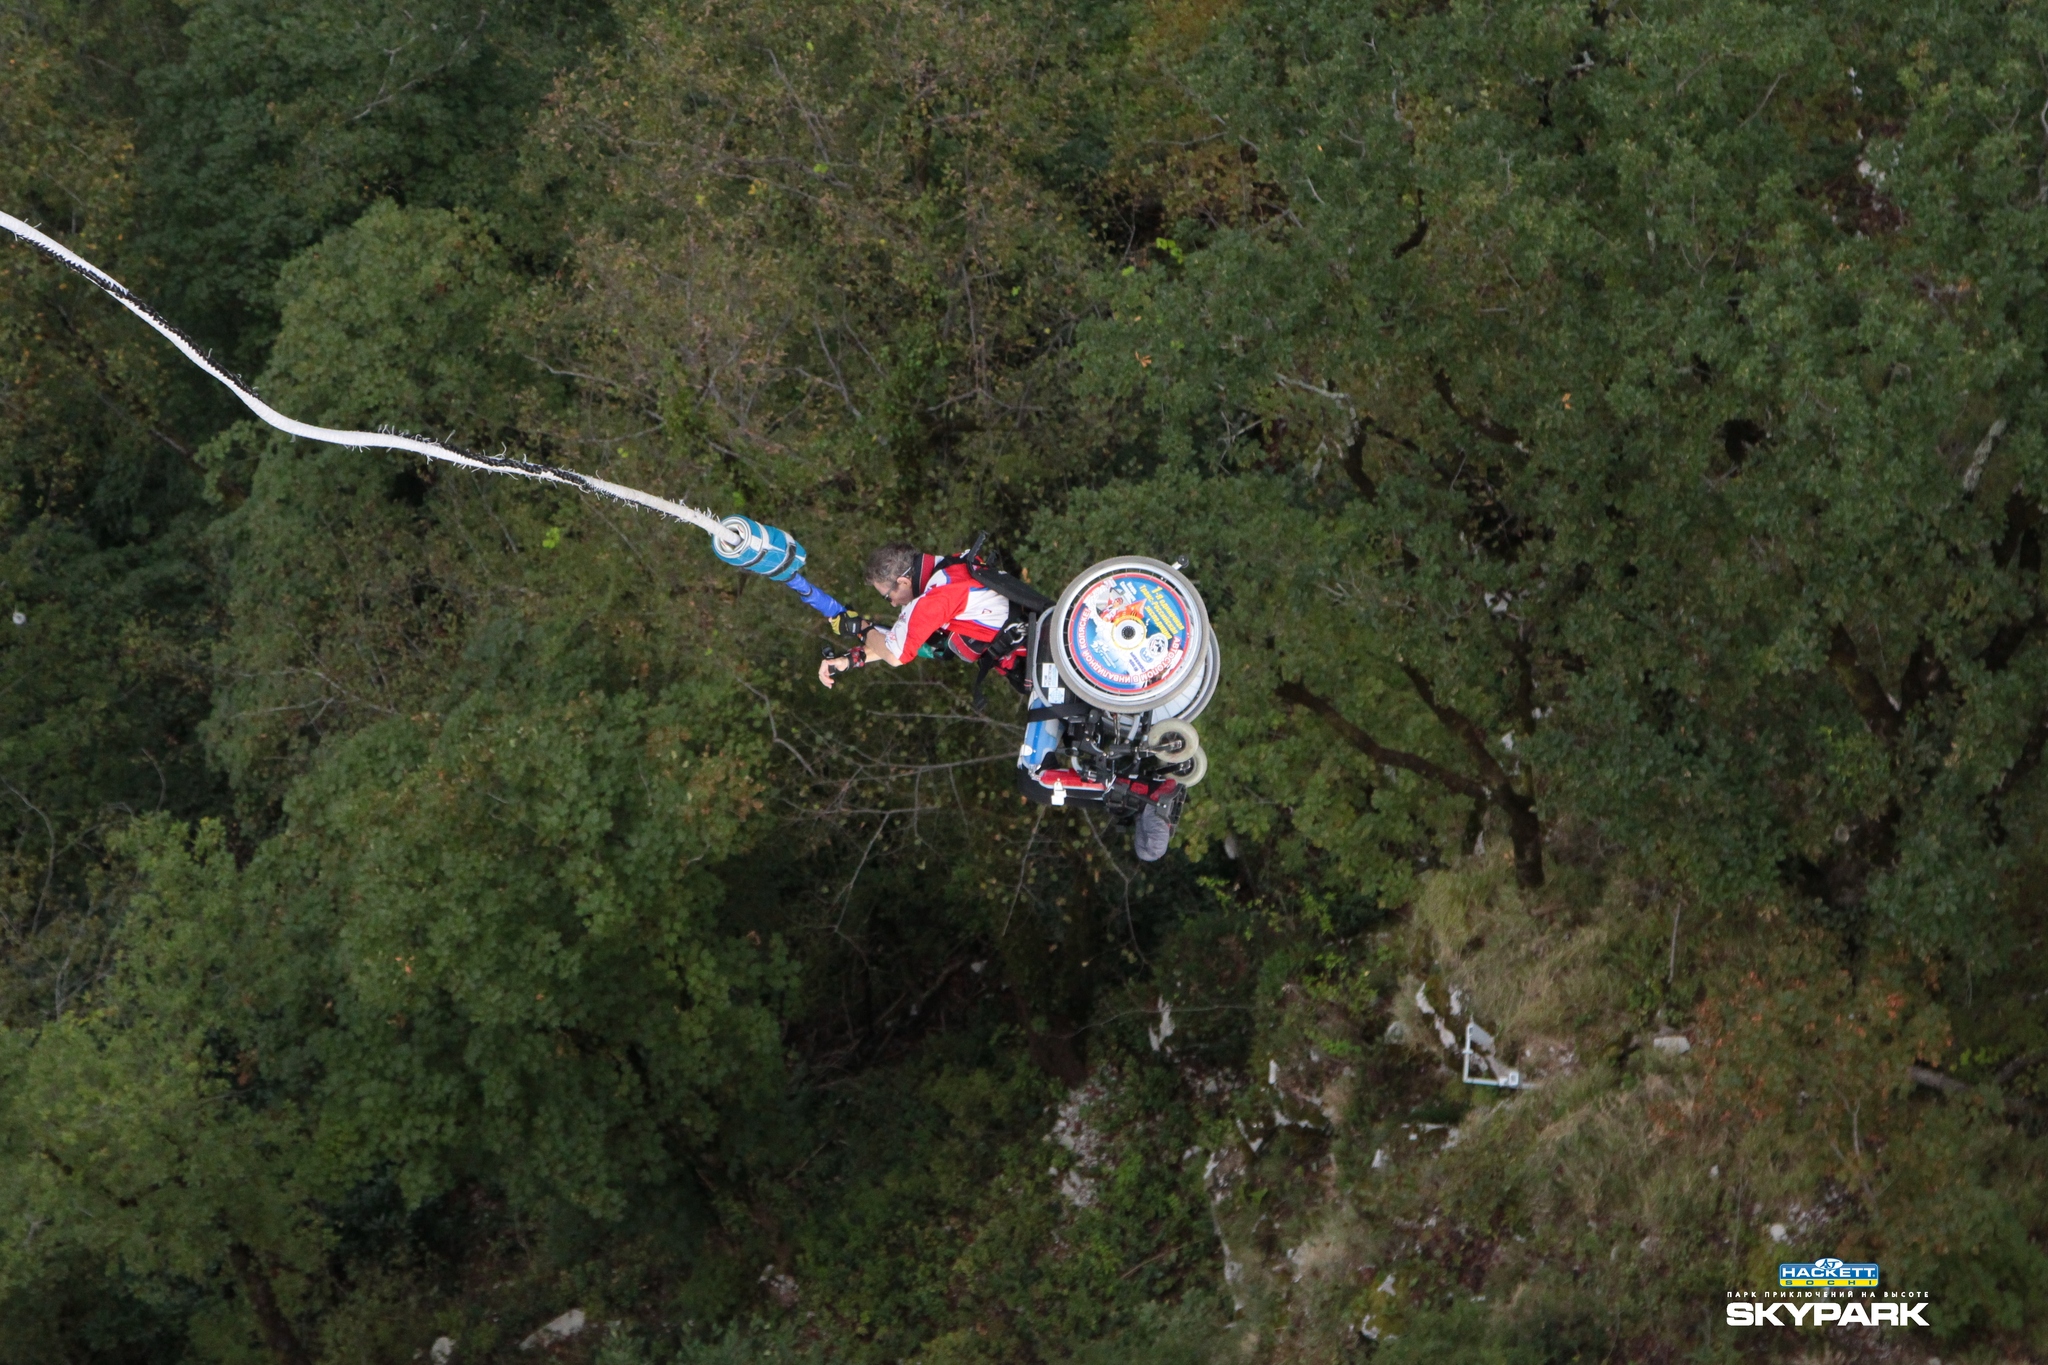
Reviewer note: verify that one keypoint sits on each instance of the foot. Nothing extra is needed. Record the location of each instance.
(1153, 831)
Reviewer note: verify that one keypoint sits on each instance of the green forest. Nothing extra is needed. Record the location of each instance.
(443, 919)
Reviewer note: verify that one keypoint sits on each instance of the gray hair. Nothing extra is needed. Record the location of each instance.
(891, 562)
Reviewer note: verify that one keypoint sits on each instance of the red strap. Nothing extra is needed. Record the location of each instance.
(934, 612)
(1068, 778)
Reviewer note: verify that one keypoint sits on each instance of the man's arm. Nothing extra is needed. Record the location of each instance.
(878, 651)
(937, 606)
(877, 648)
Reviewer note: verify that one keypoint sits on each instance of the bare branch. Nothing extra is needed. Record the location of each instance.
(1294, 694)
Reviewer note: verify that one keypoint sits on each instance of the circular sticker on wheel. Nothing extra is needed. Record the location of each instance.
(1130, 634)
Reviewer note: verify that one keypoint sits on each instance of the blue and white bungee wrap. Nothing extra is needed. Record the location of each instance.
(739, 541)
(774, 554)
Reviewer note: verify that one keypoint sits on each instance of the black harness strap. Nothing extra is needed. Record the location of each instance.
(1066, 710)
(988, 661)
(1024, 599)
(1026, 605)
(1008, 642)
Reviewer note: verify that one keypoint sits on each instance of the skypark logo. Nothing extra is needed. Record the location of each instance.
(1829, 1292)
(1827, 1312)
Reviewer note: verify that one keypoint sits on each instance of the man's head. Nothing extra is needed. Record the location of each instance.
(892, 571)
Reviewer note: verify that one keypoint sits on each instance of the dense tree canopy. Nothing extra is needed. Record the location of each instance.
(1609, 440)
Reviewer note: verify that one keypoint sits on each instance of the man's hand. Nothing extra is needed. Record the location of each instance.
(876, 646)
(850, 623)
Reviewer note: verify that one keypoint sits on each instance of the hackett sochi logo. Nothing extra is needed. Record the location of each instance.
(1827, 1273)
(1810, 1294)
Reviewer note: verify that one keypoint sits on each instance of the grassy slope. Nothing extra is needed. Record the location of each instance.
(1298, 1160)
(1220, 1194)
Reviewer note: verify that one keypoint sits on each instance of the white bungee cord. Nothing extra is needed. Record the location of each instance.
(737, 540)
(726, 537)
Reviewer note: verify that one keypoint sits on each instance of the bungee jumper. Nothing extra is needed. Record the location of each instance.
(960, 604)
(1113, 672)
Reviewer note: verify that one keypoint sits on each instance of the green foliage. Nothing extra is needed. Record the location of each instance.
(273, 126)
(1608, 448)
(736, 1347)
(818, 248)
(1746, 502)
(105, 687)
(497, 930)
(103, 603)
(543, 1004)
(353, 611)
(128, 1152)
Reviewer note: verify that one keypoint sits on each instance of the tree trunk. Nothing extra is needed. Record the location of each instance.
(271, 1322)
(1527, 832)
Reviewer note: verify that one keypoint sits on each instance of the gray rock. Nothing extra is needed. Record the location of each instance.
(561, 1329)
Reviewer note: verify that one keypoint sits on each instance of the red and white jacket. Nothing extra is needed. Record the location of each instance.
(950, 601)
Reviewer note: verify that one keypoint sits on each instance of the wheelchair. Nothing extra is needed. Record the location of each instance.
(1120, 667)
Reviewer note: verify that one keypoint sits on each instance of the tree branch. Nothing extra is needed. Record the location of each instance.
(1925, 675)
(1479, 422)
(274, 1326)
(2029, 759)
(2010, 1072)
(1524, 826)
(1865, 691)
(2022, 516)
(2022, 541)
(1294, 694)
(1935, 1080)
(2006, 641)
(1525, 681)
(1353, 461)
(2010, 1105)
(1461, 725)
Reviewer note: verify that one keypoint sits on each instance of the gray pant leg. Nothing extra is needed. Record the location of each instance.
(1151, 835)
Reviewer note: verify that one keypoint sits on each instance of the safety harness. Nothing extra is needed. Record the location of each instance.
(1011, 640)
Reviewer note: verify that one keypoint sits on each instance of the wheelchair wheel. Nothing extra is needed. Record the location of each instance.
(1195, 773)
(1130, 635)
(1172, 741)
(1195, 697)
